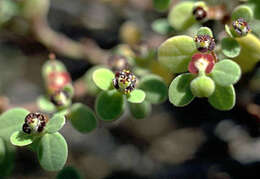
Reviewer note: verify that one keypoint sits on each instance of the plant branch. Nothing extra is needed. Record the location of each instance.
(62, 45)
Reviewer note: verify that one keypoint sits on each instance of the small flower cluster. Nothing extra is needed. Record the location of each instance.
(241, 27)
(205, 43)
(201, 63)
(34, 122)
(124, 81)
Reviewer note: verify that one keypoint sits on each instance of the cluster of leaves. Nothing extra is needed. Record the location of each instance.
(111, 103)
(50, 146)
(243, 48)
(216, 84)
(80, 115)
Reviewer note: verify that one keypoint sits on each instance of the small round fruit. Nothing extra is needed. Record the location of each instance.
(202, 86)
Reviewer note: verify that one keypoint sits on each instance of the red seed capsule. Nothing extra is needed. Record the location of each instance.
(201, 62)
(57, 80)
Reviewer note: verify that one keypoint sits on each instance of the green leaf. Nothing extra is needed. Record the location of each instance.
(205, 31)
(89, 82)
(224, 98)
(250, 52)
(11, 121)
(103, 78)
(242, 11)
(226, 72)
(161, 26)
(176, 52)
(2, 150)
(230, 47)
(155, 89)
(7, 165)
(52, 65)
(55, 123)
(136, 96)
(161, 5)
(20, 138)
(140, 110)
(228, 31)
(68, 173)
(256, 8)
(179, 91)
(52, 152)
(8, 9)
(44, 104)
(110, 105)
(82, 118)
(180, 16)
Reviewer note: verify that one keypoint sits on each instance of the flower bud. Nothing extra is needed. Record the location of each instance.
(124, 81)
(118, 63)
(201, 63)
(204, 43)
(34, 122)
(241, 27)
(202, 86)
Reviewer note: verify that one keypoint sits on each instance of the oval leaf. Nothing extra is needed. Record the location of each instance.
(89, 82)
(161, 26)
(20, 138)
(228, 31)
(52, 152)
(140, 110)
(244, 12)
(179, 91)
(205, 31)
(2, 150)
(136, 96)
(176, 52)
(226, 72)
(55, 123)
(44, 104)
(110, 105)
(180, 16)
(223, 98)
(161, 5)
(250, 52)
(155, 89)
(103, 77)
(11, 121)
(82, 118)
(68, 173)
(7, 165)
(230, 47)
